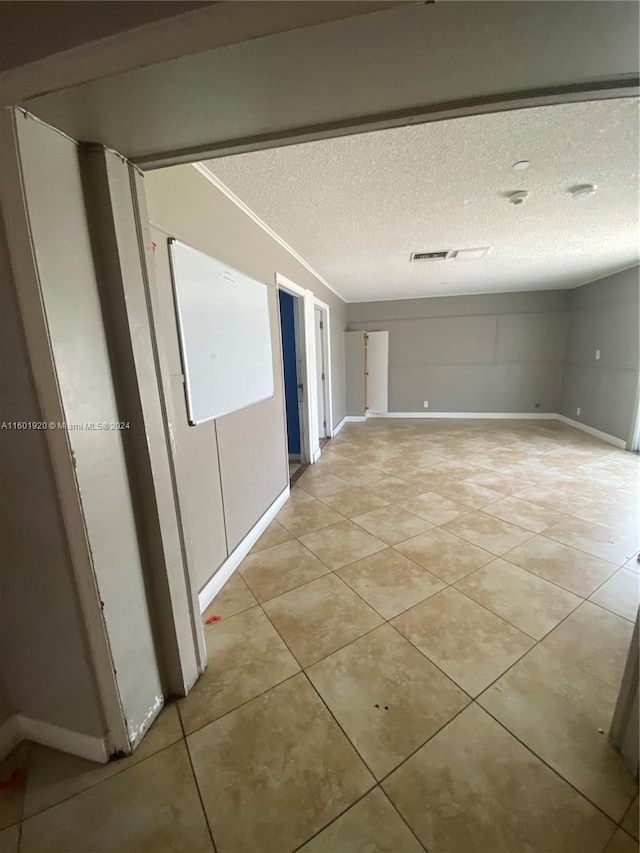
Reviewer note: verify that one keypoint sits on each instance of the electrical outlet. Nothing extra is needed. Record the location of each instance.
(578, 411)
(597, 355)
(425, 405)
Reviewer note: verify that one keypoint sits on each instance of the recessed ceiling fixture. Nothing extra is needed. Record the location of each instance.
(518, 197)
(521, 165)
(582, 190)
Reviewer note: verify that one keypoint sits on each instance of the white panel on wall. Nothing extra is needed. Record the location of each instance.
(378, 372)
(225, 336)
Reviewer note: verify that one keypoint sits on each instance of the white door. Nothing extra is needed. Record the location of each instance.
(377, 378)
(320, 372)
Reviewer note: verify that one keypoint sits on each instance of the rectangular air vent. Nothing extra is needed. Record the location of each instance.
(429, 256)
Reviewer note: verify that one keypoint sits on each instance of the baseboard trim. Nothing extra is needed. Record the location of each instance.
(337, 428)
(597, 433)
(10, 735)
(213, 587)
(476, 416)
(353, 419)
(19, 727)
(317, 453)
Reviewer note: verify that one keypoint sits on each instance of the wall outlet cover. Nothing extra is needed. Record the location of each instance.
(597, 355)
(425, 405)
(578, 410)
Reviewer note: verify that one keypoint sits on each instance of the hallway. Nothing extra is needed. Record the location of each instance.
(422, 652)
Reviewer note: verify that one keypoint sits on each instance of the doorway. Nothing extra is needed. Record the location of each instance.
(321, 338)
(293, 382)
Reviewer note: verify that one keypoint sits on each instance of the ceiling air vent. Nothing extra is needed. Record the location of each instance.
(429, 256)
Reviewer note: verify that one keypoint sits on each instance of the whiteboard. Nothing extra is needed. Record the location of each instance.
(225, 334)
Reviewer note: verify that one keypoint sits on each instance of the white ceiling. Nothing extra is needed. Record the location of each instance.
(356, 207)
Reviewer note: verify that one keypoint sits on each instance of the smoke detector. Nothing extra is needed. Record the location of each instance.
(518, 197)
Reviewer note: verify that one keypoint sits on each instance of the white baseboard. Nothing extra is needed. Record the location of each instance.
(317, 453)
(337, 428)
(213, 587)
(603, 436)
(354, 419)
(18, 728)
(10, 735)
(476, 416)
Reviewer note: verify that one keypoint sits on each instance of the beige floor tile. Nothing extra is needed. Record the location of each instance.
(275, 771)
(434, 508)
(371, 826)
(246, 657)
(275, 534)
(320, 617)
(621, 843)
(10, 838)
(12, 797)
(595, 539)
(456, 470)
(611, 515)
(152, 806)
(55, 776)
(630, 820)
(485, 531)
(327, 484)
(594, 640)
(341, 544)
(386, 696)
(633, 564)
(362, 476)
(446, 556)
(531, 604)
(392, 524)
(469, 494)
(234, 597)
(563, 714)
(355, 501)
(499, 482)
(549, 497)
(621, 594)
(300, 518)
(390, 582)
(429, 480)
(279, 569)
(474, 789)
(392, 489)
(470, 644)
(523, 513)
(572, 569)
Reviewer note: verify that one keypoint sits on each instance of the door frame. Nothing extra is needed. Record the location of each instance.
(305, 346)
(326, 347)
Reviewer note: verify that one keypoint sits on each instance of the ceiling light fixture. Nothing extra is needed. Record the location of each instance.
(518, 196)
(521, 165)
(582, 190)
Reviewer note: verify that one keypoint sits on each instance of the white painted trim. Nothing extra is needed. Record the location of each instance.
(254, 216)
(336, 429)
(19, 727)
(10, 735)
(327, 356)
(213, 587)
(353, 419)
(603, 436)
(503, 416)
(317, 454)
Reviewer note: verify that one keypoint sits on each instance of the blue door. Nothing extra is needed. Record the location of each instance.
(288, 331)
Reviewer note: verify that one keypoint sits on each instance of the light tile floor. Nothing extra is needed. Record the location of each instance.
(422, 652)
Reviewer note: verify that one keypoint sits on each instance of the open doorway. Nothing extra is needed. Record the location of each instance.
(321, 337)
(293, 385)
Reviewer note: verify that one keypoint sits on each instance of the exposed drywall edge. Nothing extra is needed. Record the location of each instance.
(338, 427)
(476, 416)
(18, 728)
(603, 436)
(213, 587)
(200, 167)
(10, 735)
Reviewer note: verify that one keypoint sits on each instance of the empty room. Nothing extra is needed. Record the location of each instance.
(320, 388)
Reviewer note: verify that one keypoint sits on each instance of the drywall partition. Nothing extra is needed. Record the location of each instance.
(44, 663)
(486, 353)
(70, 304)
(601, 373)
(237, 464)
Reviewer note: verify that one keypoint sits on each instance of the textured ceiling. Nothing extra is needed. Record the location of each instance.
(356, 207)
